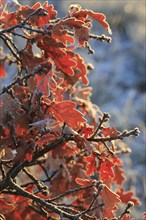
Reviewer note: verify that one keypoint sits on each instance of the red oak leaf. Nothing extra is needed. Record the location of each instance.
(109, 214)
(50, 9)
(117, 161)
(28, 59)
(80, 70)
(144, 216)
(65, 112)
(111, 132)
(101, 18)
(25, 151)
(80, 141)
(36, 6)
(106, 170)
(109, 198)
(2, 69)
(91, 165)
(76, 11)
(58, 93)
(82, 35)
(126, 217)
(5, 207)
(71, 150)
(70, 22)
(43, 84)
(119, 176)
(85, 194)
(83, 182)
(38, 19)
(8, 19)
(128, 196)
(56, 51)
(87, 130)
(62, 36)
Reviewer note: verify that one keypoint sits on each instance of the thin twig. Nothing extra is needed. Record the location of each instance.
(71, 192)
(121, 136)
(40, 201)
(104, 118)
(3, 37)
(20, 80)
(20, 25)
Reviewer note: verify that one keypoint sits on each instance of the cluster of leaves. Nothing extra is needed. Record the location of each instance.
(59, 158)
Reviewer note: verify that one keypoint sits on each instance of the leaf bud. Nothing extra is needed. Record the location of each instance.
(90, 66)
(4, 88)
(130, 204)
(128, 211)
(136, 131)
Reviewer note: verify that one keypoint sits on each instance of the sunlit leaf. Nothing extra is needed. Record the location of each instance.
(65, 112)
(127, 196)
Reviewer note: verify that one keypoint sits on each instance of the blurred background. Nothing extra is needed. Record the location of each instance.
(119, 76)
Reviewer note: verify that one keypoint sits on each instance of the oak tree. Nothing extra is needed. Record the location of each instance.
(59, 156)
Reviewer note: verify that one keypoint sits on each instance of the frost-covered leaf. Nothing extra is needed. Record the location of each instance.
(65, 112)
(119, 176)
(105, 169)
(77, 12)
(110, 198)
(2, 69)
(8, 105)
(127, 196)
(110, 132)
(91, 165)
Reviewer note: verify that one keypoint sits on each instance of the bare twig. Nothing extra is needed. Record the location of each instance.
(19, 80)
(71, 192)
(21, 25)
(121, 136)
(40, 201)
(8, 44)
(126, 211)
(104, 118)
